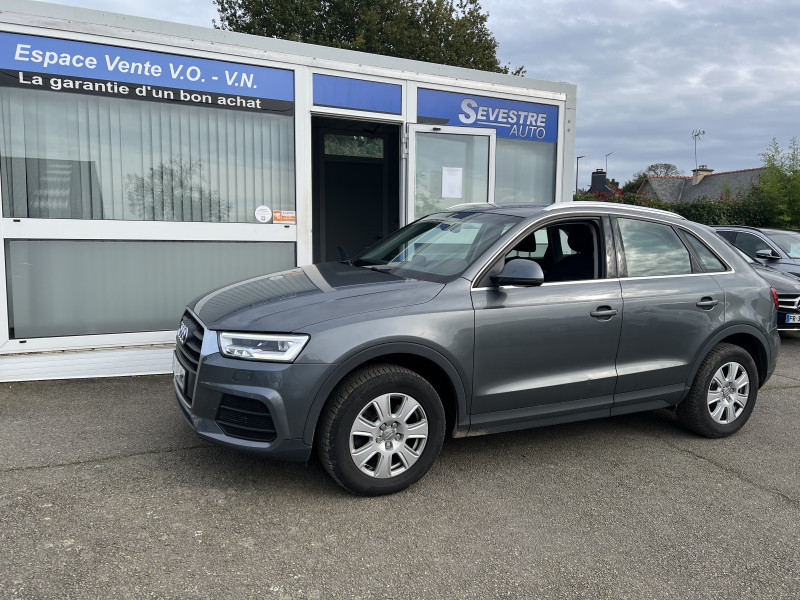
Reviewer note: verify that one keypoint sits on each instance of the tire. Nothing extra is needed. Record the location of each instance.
(723, 393)
(382, 430)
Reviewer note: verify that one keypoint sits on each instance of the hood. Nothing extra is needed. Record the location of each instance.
(784, 283)
(290, 300)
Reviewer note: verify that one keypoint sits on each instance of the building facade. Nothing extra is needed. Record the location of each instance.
(143, 163)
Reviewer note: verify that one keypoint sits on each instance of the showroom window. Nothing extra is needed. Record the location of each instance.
(525, 172)
(75, 156)
(96, 157)
(89, 287)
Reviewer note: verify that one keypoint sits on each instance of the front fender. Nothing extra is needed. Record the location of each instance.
(341, 370)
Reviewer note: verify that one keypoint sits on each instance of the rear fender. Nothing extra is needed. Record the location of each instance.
(765, 362)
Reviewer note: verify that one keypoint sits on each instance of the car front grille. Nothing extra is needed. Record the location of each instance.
(246, 419)
(190, 345)
(788, 301)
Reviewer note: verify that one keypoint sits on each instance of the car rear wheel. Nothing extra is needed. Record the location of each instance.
(723, 393)
(382, 430)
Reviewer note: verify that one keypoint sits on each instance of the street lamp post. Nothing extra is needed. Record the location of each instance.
(577, 162)
(607, 155)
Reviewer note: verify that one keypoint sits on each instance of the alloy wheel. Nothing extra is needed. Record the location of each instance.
(388, 435)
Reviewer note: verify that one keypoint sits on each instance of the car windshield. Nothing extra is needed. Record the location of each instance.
(788, 241)
(438, 247)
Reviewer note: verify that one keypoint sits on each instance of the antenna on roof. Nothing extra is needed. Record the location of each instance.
(696, 136)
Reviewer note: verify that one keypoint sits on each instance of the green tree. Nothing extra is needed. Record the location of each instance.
(663, 170)
(633, 185)
(780, 183)
(450, 32)
(656, 170)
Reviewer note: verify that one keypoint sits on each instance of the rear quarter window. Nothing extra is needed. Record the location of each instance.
(709, 260)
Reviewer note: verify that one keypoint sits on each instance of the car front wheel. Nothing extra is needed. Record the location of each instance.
(382, 430)
(723, 393)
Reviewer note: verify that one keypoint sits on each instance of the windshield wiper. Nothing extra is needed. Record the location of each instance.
(343, 256)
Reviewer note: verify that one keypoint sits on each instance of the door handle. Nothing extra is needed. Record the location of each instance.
(707, 303)
(604, 313)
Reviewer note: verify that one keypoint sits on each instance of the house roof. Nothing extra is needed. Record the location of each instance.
(676, 189)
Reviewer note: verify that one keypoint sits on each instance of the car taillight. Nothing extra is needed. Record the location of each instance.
(775, 297)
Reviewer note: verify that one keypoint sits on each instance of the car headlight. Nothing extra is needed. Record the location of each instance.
(262, 346)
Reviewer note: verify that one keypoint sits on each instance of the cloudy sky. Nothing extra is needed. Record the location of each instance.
(649, 72)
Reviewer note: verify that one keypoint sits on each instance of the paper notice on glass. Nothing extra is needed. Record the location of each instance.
(452, 185)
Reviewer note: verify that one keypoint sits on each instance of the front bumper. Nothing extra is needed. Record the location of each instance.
(258, 407)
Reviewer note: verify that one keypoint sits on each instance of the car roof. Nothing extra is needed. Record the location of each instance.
(745, 227)
(766, 230)
(529, 210)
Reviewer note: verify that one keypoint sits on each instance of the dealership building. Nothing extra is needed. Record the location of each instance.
(143, 163)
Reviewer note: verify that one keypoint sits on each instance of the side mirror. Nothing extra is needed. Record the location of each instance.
(765, 254)
(519, 271)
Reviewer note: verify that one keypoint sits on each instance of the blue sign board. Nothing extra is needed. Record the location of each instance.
(55, 57)
(344, 92)
(511, 118)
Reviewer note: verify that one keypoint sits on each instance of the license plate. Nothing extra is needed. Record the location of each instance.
(179, 373)
(793, 318)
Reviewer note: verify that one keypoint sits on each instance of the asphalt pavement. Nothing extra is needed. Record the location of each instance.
(105, 492)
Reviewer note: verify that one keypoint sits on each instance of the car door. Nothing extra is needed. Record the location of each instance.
(548, 351)
(671, 308)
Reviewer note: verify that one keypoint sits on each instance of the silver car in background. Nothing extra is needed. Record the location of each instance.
(477, 320)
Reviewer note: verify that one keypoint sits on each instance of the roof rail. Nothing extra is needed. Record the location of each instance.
(633, 207)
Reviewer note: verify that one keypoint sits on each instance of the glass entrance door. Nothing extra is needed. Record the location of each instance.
(449, 166)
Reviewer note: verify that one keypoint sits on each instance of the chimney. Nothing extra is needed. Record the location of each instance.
(699, 173)
(598, 181)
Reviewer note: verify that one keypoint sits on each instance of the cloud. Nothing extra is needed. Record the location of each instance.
(649, 73)
(190, 12)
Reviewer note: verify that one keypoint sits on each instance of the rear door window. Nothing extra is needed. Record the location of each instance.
(653, 249)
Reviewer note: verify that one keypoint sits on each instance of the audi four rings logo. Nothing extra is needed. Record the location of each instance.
(183, 333)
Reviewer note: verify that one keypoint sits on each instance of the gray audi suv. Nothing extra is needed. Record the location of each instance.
(478, 320)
